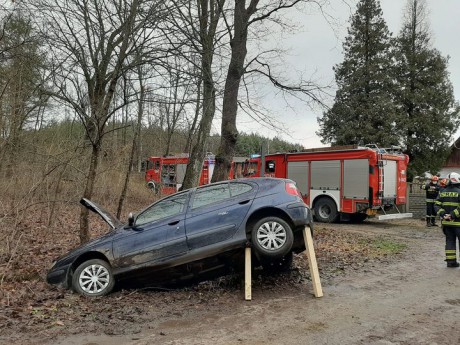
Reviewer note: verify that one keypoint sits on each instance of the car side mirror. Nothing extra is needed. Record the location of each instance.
(131, 219)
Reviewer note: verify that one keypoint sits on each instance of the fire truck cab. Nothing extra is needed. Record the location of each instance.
(349, 182)
(165, 175)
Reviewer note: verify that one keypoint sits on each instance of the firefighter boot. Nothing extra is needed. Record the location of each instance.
(452, 263)
(428, 222)
(433, 222)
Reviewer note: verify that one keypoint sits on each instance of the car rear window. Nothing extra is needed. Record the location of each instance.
(239, 188)
(210, 195)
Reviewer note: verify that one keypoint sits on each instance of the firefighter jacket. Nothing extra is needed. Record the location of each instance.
(448, 202)
(432, 191)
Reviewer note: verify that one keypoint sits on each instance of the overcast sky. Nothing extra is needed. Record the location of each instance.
(319, 47)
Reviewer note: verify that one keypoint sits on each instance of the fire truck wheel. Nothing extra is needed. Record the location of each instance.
(272, 237)
(326, 210)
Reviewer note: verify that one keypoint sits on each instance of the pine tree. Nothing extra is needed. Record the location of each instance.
(363, 111)
(424, 94)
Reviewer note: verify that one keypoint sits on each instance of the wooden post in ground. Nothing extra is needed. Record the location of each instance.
(317, 290)
(247, 275)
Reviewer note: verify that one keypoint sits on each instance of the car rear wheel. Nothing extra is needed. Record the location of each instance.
(272, 237)
(93, 278)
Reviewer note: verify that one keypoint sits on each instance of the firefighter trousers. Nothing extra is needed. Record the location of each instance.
(430, 213)
(452, 234)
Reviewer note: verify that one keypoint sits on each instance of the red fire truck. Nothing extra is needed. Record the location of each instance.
(349, 182)
(165, 174)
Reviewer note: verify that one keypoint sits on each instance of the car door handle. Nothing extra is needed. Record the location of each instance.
(174, 222)
(244, 202)
(222, 213)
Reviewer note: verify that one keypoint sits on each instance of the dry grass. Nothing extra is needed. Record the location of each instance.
(39, 209)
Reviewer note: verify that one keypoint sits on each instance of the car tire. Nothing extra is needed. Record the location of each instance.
(326, 210)
(278, 265)
(272, 237)
(93, 278)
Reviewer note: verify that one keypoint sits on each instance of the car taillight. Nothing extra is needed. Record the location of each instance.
(292, 189)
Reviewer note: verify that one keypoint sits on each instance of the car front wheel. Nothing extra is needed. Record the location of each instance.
(93, 278)
(272, 237)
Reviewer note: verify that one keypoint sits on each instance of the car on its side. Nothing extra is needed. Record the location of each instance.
(190, 233)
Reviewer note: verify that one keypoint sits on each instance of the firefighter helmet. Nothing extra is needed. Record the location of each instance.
(434, 178)
(454, 178)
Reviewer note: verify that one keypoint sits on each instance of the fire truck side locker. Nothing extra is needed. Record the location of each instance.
(390, 175)
(356, 179)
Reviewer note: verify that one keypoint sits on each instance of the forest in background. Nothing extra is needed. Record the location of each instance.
(84, 100)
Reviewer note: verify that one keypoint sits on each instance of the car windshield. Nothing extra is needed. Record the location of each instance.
(163, 209)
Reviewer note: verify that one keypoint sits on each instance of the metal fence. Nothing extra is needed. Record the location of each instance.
(416, 199)
(415, 188)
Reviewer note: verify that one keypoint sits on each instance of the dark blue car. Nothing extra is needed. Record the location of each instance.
(190, 233)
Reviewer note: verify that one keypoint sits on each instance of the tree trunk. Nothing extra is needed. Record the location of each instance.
(188, 144)
(209, 18)
(229, 132)
(122, 198)
(134, 149)
(88, 193)
(193, 171)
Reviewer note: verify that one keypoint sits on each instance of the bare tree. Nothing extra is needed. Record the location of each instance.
(93, 43)
(197, 111)
(137, 130)
(243, 17)
(172, 104)
(197, 23)
(21, 82)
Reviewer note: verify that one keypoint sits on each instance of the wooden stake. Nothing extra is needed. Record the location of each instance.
(318, 291)
(247, 275)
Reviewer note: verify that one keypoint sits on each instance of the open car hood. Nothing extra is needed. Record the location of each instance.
(109, 219)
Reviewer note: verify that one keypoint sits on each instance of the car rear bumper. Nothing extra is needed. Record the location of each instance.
(300, 214)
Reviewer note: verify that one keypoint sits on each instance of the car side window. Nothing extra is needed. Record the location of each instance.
(210, 195)
(163, 209)
(239, 188)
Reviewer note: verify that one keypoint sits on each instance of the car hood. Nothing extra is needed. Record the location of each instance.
(109, 219)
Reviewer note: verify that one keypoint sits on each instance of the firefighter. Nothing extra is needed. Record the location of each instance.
(447, 207)
(432, 191)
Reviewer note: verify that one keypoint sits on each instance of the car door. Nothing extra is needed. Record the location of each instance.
(216, 211)
(157, 234)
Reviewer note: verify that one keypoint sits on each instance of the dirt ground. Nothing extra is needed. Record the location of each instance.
(384, 283)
